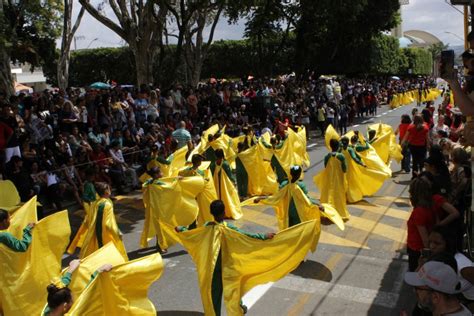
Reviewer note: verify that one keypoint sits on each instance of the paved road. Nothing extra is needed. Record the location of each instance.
(355, 272)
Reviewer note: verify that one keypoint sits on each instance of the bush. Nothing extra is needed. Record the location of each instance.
(240, 58)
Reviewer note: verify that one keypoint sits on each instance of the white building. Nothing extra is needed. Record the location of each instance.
(22, 74)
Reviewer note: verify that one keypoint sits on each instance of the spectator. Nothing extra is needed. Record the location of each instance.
(12, 145)
(417, 138)
(182, 136)
(421, 220)
(120, 169)
(436, 286)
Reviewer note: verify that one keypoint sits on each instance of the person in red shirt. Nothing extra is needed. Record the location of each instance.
(5, 133)
(417, 138)
(421, 220)
(401, 131)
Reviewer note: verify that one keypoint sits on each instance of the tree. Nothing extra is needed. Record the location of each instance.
(191, 18)
(140, 24)
(196, 47)
(67, 37)
(28, 29)
(436, 49)
(330, 32)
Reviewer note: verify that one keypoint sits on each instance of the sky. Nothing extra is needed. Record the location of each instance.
(433, 16)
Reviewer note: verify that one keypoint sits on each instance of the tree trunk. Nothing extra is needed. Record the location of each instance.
(6, 78)
(144, 64)
(63, 70)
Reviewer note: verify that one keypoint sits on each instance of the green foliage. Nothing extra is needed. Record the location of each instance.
(29, 29)
(436, 49)
(420, 61)
(237, 59)
(384, 55)
(102, 64)
(332, 35)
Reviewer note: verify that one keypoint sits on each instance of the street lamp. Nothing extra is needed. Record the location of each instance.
(454, 34)
(95, 39)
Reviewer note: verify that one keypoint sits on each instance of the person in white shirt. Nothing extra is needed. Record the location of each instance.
(439, 127)
(121, 167)
(436, 285)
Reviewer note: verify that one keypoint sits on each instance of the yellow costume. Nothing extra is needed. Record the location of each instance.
(246, 262)
(292, 152)
(226, 190)
(261, 179)
(386, 144)
(362, 181)
(24, 276)
(121, 291)
(174, 202)
(332, 184)
(78, 240)
(102, 229)
(9, 196)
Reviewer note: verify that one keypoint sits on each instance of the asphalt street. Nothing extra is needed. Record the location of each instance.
(358, 271)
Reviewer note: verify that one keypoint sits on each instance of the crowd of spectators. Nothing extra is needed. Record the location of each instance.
(50, 140)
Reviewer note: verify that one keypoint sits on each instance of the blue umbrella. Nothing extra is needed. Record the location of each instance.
(100, 86)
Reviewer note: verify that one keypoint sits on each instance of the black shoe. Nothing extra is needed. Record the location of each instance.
(244, 308)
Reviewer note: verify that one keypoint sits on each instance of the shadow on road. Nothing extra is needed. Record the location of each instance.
(178, 313)
(132, 255)
(393, 283)
(313, 270)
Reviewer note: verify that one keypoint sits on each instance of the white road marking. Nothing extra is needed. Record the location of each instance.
(356, 125)
(385, 113)
(345, 292)
(367, 121)
(312, 145)
(379, 116)
(255, 294)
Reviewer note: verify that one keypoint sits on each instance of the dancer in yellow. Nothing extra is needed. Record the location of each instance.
(332, 181)
(354, 191)
(224, 183)
(172, 201)
(293, 205)
(122, 290)
(103, 227)
(24, 275)
(89, 196)
(155, 176)
(366, 172)
(231, 262)
(6, 238)
(205, 198)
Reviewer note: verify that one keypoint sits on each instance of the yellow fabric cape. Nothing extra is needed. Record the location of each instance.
(227, 192)
(82, 276)
(121, 291)
(78, 240)
(331, 133)
(332, 184)
(25, 276)
(373, 176)
(292, 153)
(307, 211)
(299, 140)
(361, 181)
(261, 178)
(205, 198)
(174, 203)
(110, 230)
(246, 262)
(9, 196)
(386, 144)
